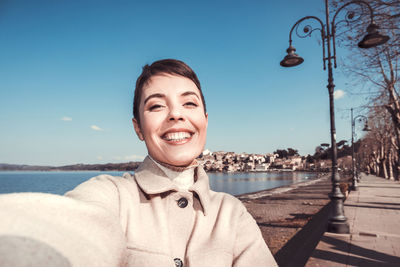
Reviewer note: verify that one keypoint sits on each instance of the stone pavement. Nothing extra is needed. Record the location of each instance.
(373, 214)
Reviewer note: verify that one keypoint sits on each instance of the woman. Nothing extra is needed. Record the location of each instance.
(166, 213)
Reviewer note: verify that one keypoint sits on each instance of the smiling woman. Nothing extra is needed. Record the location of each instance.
(172, 117)
(163, 215)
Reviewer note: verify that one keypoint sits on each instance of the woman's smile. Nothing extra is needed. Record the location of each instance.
(177, 137)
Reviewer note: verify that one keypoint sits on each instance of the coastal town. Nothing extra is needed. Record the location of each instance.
(221, 161)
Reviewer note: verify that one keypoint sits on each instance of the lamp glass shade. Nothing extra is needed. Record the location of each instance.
(291, 60)
(372, 40)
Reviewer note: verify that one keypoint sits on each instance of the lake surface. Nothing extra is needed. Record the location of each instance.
(61, 182)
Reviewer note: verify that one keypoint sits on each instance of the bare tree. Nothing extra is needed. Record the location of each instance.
(382, 133)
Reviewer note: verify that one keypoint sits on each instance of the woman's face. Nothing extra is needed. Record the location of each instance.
(172, 119)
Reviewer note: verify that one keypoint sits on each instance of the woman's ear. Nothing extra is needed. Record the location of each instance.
(138, 131)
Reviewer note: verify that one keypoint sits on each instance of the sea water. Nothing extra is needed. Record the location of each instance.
(60, 182)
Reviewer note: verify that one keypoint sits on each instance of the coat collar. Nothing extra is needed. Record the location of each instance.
(152, 180)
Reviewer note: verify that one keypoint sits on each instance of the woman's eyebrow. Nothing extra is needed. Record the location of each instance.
(157, 95)
(190, 93)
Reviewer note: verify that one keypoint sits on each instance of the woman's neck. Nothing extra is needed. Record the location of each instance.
(182, 177)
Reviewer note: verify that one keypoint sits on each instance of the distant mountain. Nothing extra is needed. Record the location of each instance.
(128, 166)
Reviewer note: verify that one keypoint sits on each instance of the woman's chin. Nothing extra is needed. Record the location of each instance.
(177, 156)
(177, 160)
(180, 162)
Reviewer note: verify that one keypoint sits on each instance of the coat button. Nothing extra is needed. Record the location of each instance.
(182, 202)
(178, 262)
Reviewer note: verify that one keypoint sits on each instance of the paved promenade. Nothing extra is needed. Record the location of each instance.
(373, 213)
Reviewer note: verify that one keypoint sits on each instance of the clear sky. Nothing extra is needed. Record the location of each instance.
(68, 69)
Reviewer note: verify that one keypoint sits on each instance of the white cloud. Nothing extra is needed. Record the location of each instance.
(99, 157)
(134, 158)
(96, 128)
(338, 94)
(66, 118)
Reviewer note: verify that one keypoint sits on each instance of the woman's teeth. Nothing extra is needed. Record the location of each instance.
(178, 136)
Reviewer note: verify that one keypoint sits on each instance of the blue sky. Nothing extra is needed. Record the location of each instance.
(68, 69)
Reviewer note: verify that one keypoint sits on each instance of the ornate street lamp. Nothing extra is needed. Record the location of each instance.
(291, 59)
(373, 38)
(338, 221)
(360, 118)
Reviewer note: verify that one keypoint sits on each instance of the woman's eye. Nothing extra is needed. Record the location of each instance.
(154, 107)
(191, 104)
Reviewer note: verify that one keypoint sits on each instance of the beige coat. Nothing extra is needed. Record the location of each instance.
(162, 226)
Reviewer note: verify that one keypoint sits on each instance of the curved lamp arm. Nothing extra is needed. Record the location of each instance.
(308, 31)
(358, 2)
(307, 28)
(350, 16)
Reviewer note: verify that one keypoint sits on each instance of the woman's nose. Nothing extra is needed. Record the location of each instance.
(175, 114)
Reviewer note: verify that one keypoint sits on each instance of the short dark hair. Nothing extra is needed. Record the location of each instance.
(167, 66)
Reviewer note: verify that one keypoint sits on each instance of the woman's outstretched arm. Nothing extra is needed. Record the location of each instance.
(49, 230)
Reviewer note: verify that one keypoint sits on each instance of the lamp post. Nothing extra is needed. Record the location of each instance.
(355, 178)
(338, 221)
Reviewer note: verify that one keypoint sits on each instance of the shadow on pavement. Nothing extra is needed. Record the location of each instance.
(300, 247)
(359, 256)
(343, 259)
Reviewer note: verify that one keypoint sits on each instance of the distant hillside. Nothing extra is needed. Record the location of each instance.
(128, 166)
